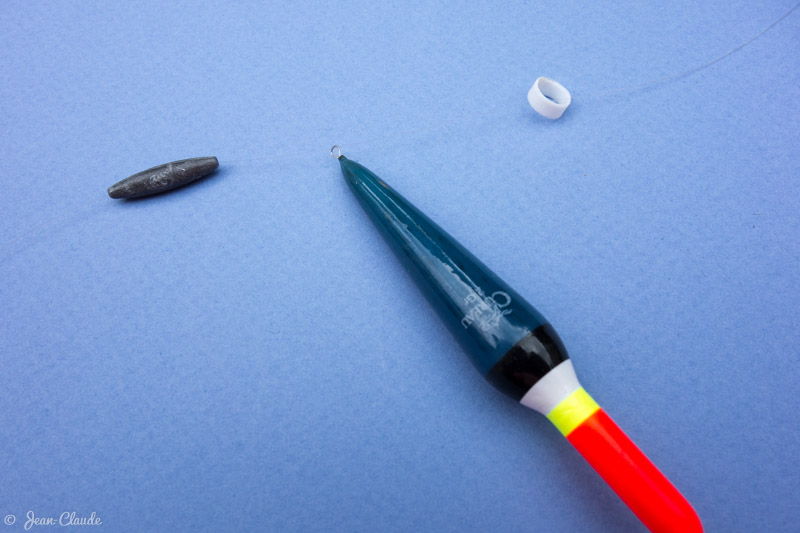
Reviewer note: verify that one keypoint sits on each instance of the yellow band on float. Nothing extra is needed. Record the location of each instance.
(572, 411)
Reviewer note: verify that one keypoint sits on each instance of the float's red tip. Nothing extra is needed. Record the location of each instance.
(636, 480)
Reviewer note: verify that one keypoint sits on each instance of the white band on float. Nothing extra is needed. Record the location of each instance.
(549, 98)
(552, 388)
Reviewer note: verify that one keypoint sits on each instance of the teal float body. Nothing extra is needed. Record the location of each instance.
(517, 351)
(487, 316)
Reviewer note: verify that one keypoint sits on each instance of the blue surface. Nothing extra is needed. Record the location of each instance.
(246, 353)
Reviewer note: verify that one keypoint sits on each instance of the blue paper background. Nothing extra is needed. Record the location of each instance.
(246, 354)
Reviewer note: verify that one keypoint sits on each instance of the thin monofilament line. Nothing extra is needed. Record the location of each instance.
(694, 70)
(6, 248)
(584, 96)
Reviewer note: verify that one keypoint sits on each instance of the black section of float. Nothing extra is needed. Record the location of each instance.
(527, 362)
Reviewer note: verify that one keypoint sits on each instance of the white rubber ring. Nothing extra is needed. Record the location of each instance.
(549, 98)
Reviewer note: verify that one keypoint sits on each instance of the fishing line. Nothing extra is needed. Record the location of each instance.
(697, 69)
(6, 251)
(584, 96)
